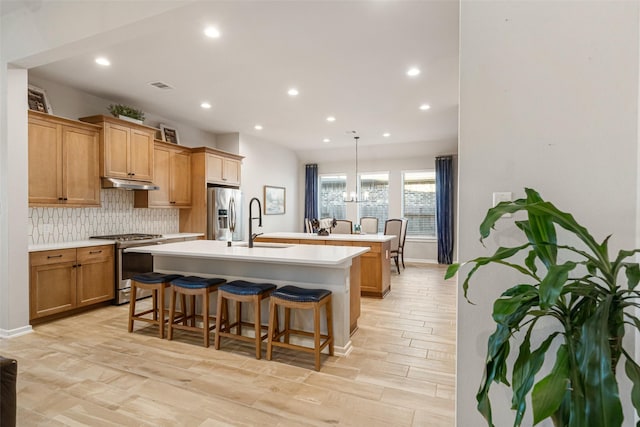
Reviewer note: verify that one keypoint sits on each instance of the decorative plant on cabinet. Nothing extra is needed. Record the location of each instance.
(589, 295)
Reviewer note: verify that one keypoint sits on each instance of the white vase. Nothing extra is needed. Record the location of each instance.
(130, 119)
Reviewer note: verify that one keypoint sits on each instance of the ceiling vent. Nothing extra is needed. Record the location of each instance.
(161, 85)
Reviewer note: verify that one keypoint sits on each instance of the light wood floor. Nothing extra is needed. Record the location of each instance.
(87, 370)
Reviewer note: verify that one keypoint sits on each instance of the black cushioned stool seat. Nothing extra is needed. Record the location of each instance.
(156, 283)
(242, 291)
(299, 298)
(193, 286)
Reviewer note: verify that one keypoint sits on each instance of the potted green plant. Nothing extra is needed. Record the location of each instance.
(125, 112)
(590, 297)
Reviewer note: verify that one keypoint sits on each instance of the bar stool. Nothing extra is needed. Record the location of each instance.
(192, 286)
(242, 291)
(156, 283)
(298, 298)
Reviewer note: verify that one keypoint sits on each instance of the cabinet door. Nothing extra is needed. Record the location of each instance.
(161, 173)
(116, 149)
(52, 289)
(141, 155)
(81, 181)
(180, 178)
(231, 171)
(95, 275)
(45, 163)
(214, 168)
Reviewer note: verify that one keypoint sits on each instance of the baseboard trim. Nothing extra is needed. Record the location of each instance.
(12, 333)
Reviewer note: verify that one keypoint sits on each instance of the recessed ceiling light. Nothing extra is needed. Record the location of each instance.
(425, 107)
(293, 92)
(258, 127)
(103, 61)
(326, 140)
(386, 134)
(212, 32)
(413, 71)
(205, 105)
(331, 119)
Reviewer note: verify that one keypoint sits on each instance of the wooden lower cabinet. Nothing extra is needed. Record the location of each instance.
(375, 268)
(65, 279)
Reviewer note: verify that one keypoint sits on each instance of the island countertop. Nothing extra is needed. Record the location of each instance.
(261, 252)
(313, 236)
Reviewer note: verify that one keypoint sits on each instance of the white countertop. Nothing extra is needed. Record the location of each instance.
(261, 252)
(350, 237)
(69, 245)
(93, 242)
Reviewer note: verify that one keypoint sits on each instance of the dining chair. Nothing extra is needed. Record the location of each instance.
(308, 226)
(403, 237)
(369, 225)
(343, 226)
(393, 227)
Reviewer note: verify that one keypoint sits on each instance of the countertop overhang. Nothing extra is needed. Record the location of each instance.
(346, 237)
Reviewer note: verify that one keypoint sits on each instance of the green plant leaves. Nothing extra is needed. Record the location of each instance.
(581, 389)
(633, 372)
(524, 370)
(593, 355)
(552, 284)
(548, 394)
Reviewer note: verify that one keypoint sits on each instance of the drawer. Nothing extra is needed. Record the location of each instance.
(52, 257)
(375, 247)
(95, 253)
(338, 243)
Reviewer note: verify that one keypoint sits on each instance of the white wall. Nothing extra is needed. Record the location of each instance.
(548, 100)
(266, 163)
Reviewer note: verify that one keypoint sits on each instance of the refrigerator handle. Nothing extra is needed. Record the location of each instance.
(232, 215)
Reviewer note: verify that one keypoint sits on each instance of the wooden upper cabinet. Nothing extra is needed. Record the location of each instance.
(172, 173)
(63, 162)
(180, 176)
(126, 148)
(223, 170)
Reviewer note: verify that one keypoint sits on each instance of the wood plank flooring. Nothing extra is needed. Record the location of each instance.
(87, 370)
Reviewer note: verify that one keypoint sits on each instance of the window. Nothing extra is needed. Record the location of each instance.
(419, 202)
(374, 191)
(331, 196)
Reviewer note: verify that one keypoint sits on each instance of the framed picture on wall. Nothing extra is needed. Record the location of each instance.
(274, 200)
(169, 134)
(38, 101)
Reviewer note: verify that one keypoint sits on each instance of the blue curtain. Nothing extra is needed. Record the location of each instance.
(444, 208)
(311, 192)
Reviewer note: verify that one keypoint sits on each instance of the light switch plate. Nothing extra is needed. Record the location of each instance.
(505, 196)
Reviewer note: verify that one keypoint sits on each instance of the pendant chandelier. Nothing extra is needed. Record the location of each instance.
(352, 197)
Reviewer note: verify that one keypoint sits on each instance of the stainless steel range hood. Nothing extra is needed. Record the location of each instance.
(128, 184)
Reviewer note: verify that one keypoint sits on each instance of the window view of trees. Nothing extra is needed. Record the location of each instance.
(331, 203)
(419, 203)
(374, 193)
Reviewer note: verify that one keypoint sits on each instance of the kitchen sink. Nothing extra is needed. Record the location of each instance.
(262, 245)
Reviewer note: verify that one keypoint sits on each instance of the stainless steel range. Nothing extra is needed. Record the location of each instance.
(129, 264)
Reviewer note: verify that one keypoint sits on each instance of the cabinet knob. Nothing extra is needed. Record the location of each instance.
(54, 256)
(60, 198)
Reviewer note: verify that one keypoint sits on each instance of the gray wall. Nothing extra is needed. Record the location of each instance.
(548, 100)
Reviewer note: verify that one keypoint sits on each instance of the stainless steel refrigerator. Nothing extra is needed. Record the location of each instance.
(224, 214)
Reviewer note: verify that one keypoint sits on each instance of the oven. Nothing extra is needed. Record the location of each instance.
(128, 264)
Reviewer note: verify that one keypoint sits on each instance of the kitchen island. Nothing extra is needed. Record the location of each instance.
(306, 266)
(375, 271)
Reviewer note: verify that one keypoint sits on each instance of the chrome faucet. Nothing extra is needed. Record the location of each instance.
(252, 236)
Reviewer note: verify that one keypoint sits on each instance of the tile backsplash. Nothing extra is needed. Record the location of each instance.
(116, 216)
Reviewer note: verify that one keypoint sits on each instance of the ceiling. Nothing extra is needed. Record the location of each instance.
(348, 59)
